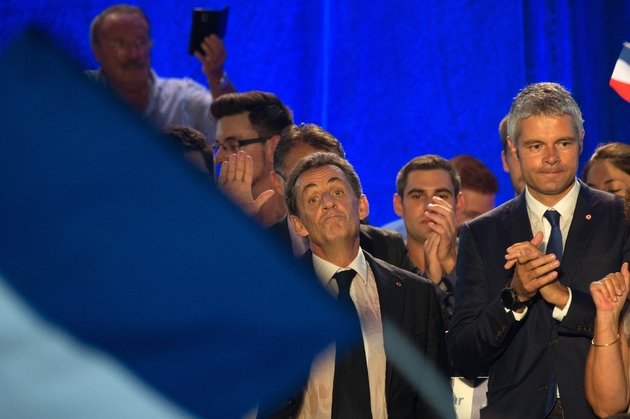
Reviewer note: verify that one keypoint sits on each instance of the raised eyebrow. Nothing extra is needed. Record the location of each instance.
(312, 185)
(335, 180)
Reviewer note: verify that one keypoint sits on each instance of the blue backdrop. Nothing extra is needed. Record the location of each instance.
(392, 80)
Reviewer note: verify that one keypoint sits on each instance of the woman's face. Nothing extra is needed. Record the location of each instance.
(605, 176)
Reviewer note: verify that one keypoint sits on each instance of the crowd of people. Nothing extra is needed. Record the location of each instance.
(531, 293)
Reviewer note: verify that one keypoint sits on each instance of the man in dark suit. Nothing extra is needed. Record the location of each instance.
(428, 197)
(325, 203)
(527, 316)
(297, 142)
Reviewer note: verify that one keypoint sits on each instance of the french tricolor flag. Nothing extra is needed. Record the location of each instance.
(620, 80)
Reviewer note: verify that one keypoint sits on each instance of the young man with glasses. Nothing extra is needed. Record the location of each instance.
(121, 42)
(296, 143)
(251, 122)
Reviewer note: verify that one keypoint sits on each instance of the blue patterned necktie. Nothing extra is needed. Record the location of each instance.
(351, 386)
(554, 245)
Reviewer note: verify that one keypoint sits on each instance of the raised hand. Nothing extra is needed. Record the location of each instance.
(432, 267)
(212, 59)
(610, 293)
(235, 181)
(443, 225)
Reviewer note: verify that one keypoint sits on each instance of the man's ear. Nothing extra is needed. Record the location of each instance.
(582, 142)
(277, 182)
(398, 206)
(506, 168)
(364, 207)
(270, 147)
(96, 50)
(513, 149)
(298, 226)
(459, 202)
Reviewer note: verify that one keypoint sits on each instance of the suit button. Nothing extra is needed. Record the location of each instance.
(544, 388)
(291, 400)
(553, 342)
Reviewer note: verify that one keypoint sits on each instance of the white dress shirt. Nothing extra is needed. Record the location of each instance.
(565, 207)
(364, 294)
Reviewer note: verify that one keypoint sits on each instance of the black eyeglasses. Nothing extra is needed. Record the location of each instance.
(282, 176)
(232, 146)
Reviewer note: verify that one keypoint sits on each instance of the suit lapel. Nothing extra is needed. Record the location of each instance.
(519, 229)
(586, 217)
(516, 222)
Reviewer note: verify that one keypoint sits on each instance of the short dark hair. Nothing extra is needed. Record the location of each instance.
(543, 99)
(424, 163)
(192, 140)
(616, 153)
(475, 175)
(309, 134)
(123, 9)
(267, 114)
(503, 133)
(315, 161)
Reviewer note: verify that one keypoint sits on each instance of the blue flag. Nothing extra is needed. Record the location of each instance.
(110, 242)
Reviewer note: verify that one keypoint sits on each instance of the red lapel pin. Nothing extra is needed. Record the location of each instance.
(588, 216)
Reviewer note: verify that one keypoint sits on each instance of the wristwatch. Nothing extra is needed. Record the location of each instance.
(223, 82)
(510, 300)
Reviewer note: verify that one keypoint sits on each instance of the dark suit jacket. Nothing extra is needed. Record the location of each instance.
(384, 244)
(410, 303)
(521, 355)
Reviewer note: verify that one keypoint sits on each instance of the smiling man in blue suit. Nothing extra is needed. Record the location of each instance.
(522, 305)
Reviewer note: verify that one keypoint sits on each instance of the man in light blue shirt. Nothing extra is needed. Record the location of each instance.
(121, 42)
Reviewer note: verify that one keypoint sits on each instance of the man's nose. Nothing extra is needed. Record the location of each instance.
(221, 156)
(328, 201)
(551, 155)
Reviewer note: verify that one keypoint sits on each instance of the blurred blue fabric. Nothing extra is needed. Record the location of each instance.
(110, 235)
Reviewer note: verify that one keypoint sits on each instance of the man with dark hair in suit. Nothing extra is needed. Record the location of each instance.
(479, 187)
(428, 198)
(527, 316)
(252, 122)
(510, 162)
(298, 142)
(326, 203)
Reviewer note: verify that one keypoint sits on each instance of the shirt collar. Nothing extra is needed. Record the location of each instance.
(325, 270)
(154, 91)
(565, 206)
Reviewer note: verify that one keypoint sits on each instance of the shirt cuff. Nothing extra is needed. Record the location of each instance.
(517, 316)
(560, 314)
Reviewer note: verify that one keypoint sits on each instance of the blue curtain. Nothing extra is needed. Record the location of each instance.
(392, 80)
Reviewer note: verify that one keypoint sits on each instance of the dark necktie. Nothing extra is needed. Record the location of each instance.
(554, 245)
(351, 386)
